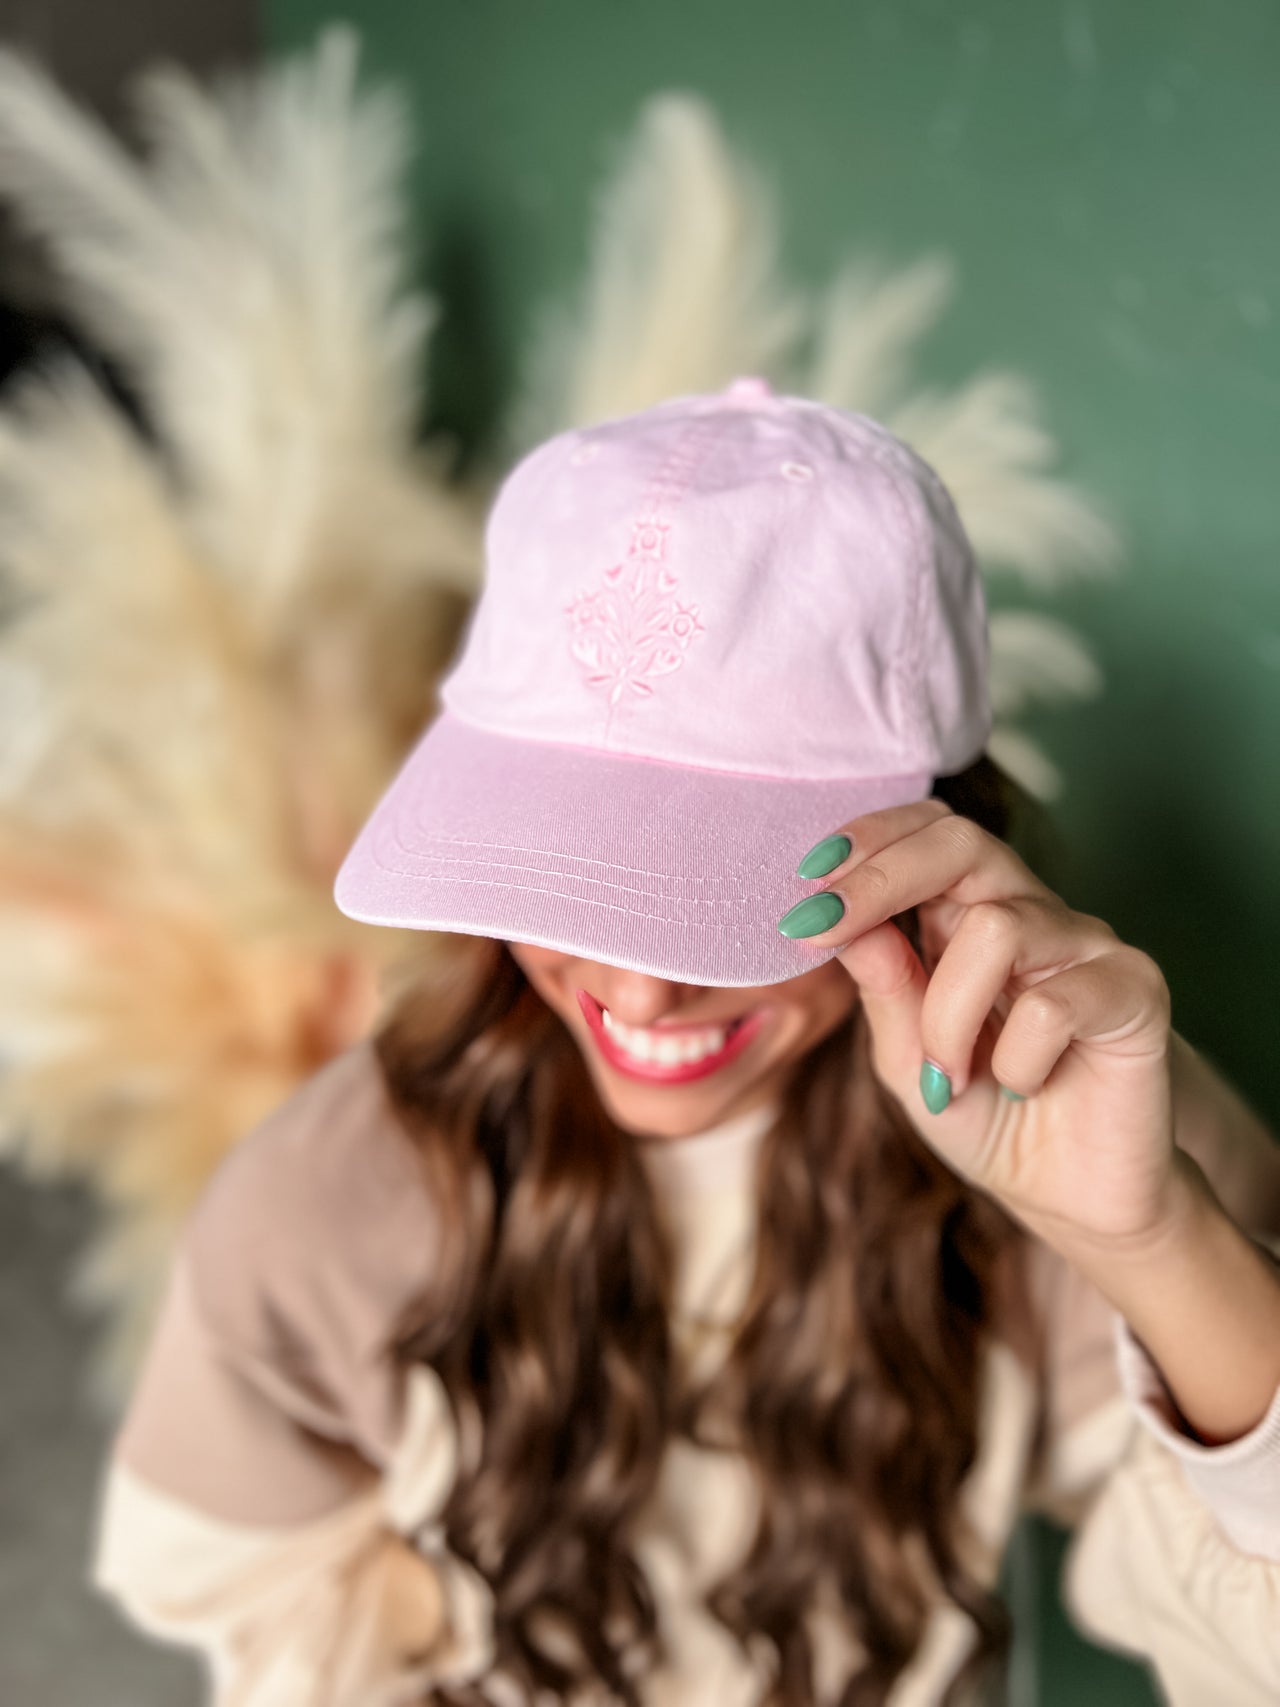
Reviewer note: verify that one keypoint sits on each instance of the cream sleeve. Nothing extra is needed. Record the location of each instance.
(251, 1507)
(1177, 1556)
(1175, 1552)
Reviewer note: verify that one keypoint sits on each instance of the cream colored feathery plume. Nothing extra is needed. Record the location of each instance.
(685, 291)
(216, 651)
(682, 289)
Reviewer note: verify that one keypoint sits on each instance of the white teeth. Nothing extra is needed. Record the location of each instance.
(647, 1044)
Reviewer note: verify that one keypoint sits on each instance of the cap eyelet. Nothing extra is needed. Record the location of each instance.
(798, 471)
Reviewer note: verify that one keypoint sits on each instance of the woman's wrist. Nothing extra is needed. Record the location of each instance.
(1203, 1300)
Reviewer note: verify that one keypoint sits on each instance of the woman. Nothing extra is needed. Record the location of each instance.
(681, 1296)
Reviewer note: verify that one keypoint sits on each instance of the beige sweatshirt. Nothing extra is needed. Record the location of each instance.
(271, 1498)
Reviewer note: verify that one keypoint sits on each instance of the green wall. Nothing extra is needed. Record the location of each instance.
(1105, 178)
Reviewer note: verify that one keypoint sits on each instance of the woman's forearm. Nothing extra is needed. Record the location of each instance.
(1204, 1301)
(1200, 1295)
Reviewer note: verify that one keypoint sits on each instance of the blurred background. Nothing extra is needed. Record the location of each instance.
(1041, 240)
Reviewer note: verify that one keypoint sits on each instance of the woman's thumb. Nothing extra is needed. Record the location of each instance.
(892, 983)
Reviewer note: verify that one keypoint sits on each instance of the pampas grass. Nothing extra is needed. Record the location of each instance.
(683, 289)
(222, 643)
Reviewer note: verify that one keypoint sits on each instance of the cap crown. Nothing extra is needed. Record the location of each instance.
(743, 581)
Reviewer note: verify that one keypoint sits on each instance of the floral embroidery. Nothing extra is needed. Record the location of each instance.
(632, 629)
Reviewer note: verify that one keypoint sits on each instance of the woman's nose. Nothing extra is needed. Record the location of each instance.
(637, 998)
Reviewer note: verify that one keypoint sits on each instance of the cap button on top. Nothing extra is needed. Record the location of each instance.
(749, 389)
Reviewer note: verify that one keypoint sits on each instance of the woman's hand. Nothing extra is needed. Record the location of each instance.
(1025, 994)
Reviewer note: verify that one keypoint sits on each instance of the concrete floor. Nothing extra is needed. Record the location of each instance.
(61, 1643)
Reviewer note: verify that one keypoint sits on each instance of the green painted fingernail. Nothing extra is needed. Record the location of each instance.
(824, 856)
(815, 913)
(1013, 1096)
(935, 1088)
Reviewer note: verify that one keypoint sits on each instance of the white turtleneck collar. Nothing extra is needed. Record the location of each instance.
(703, 1186)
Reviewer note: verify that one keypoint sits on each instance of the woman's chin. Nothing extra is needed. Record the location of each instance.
(672, 1112)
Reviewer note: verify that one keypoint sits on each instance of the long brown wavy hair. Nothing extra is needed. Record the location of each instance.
(852, 1380)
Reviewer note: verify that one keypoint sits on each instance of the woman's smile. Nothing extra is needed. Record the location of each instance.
(670, 1059)
(669, 1054)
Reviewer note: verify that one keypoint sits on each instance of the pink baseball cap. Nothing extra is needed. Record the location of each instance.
(710, 633)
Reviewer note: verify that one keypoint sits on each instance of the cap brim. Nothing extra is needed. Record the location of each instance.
(663, 868)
